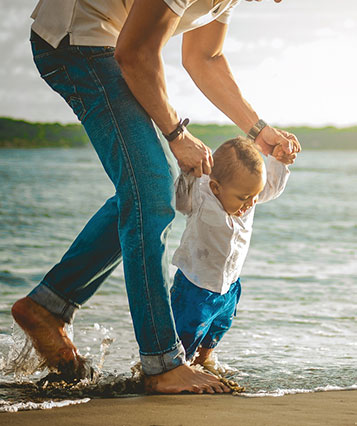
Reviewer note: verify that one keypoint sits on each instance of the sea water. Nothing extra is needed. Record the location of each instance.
(295, 329)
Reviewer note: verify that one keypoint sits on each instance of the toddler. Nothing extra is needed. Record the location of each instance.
(220, 210)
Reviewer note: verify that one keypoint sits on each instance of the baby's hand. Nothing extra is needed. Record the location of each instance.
(282, 156)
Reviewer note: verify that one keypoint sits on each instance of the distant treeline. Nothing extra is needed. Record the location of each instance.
(309, 137)
(23, 134)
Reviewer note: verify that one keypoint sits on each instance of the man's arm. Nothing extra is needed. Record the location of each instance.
(204, 60)
(148, 27)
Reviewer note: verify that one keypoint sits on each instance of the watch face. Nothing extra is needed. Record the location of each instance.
(256, 129)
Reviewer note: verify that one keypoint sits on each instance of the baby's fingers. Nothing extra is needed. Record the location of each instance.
(287, 159)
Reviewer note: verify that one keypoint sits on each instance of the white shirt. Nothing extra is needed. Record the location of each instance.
(215, 244)
(98, 22)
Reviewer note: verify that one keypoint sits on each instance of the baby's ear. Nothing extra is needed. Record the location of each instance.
(215, 186)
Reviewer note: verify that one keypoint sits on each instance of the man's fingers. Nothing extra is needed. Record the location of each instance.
(197, 171)
(206, 167)
(184, 168)
(297, 146)
(192, 155)
(287, 146)
(210, 158)
(293, 139)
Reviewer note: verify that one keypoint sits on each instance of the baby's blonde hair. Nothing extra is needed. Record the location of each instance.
(232, 155)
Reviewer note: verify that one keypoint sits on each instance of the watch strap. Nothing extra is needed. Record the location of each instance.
(179, 129)
(256, 129)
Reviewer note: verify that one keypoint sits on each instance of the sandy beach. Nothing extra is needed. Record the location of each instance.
(322, 408)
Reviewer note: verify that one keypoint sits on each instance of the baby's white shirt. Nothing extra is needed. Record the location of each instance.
(214, 245)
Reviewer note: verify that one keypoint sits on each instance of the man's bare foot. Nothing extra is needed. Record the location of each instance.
(49, 338)
(184, 378)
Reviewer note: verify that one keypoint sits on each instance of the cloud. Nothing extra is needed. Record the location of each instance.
(349, 24)
(325, 32)
(313, 83)
(293, 61)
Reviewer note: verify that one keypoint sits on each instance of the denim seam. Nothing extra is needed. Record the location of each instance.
(139, 212)
(51, 73)
(175, 346)
(64, 310)
(103, 268)
(67, 301)
(74, 96)
(52, 52)
(77, 95)
(105, 54)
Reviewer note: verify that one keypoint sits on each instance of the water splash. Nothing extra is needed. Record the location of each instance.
(105, 344)
(21, 360)
(35, 387)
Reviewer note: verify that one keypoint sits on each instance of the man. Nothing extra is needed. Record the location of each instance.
(117, 94)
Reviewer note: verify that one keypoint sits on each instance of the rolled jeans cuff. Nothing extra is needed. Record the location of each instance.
(46, 297)
(161, 363)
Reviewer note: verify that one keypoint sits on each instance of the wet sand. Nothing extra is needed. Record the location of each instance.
(322, 408)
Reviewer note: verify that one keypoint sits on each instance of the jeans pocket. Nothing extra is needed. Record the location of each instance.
(102, 52)
(59, 80)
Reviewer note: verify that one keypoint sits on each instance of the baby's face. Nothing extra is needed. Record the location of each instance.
(241, 192)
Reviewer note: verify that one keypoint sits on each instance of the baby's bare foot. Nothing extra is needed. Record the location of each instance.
(48, 335)
(184, 378)
(203, 355)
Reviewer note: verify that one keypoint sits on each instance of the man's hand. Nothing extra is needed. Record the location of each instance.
(269, 137)
(192, 155)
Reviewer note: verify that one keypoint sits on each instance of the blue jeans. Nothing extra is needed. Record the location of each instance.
(202, 316)
(131, 226)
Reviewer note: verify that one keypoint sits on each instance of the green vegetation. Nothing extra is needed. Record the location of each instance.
(309, 137)
(23, 134)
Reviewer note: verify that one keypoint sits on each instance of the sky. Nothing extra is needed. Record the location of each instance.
(295, 62)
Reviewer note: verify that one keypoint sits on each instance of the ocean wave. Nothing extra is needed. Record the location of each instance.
(282, 392)
(9, 407)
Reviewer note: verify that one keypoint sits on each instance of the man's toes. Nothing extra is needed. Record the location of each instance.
(225, 388)
(210, 389)
(207, 388)
(218, 389)
(196, 389)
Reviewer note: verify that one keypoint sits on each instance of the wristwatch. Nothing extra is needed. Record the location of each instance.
(179, 129)
(256, 129)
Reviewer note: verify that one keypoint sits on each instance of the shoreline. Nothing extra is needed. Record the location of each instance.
(328, 408)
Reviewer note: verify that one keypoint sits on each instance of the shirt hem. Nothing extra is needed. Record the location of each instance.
(224, 19)
(54, 41)
(175, 8)
(222, 290)
(74, 39)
